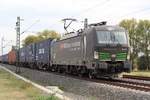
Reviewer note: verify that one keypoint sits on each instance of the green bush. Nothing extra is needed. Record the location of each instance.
(143, 63)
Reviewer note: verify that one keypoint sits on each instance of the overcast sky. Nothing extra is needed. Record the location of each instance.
(48, 14)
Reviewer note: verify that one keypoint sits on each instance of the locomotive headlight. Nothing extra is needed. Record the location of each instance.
(128, 56)
(113, 56)
(96, 56)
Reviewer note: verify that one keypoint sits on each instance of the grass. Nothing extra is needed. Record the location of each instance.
(140, 73)
(46, 98)
(12, 88)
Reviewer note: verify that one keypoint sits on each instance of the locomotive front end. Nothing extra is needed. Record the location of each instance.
(111, 50)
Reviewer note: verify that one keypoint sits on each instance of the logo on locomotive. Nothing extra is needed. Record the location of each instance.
(69, 45)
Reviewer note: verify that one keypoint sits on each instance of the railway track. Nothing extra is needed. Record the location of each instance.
(137, 77)
(120, 82)
(130, 84)
(142, 86)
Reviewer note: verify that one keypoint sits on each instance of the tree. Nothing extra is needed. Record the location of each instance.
(139, 33)
(141, 62)
(30, 39)
(41, 36)
(143, 29)
(48, 34)
(131, 26)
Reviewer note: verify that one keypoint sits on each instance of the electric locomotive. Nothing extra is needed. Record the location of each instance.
(98, 50)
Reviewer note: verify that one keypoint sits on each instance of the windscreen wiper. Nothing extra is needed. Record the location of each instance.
(113, 38)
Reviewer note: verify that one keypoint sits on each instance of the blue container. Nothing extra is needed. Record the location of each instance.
(5, 58)
(30, 53)
(22, 55)
(43, 53)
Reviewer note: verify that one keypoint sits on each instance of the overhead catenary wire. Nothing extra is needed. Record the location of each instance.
(80, 13)
(92, 7)
(135, 12)
(30, 26)
(8, 42)
(130, 13)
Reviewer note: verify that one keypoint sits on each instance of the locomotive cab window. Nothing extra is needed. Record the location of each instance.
(111, 37)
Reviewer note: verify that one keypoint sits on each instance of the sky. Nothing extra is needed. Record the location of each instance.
(47, 14)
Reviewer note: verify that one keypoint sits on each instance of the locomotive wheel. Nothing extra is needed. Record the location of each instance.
(40, 66)
(80, 74)
(44, 68)
(59, 70)
(54, 68)
(31, 66)
(91, 75)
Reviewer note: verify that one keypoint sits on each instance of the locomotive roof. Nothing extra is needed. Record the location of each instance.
(109, 28)
(100, 28)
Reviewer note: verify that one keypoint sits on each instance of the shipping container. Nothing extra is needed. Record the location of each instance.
(30, 55)
(5, 58)
(43, 53)
(12, 57)
(22, 56)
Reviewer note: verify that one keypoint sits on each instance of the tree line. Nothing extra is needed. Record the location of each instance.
(139, 38)
(41, 36)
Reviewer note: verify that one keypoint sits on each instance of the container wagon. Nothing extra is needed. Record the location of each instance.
(22, 56)
(5, 58)
(30, 55)
(43, 54)
(12, 57)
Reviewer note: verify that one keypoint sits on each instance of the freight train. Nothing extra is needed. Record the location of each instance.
(98, 50)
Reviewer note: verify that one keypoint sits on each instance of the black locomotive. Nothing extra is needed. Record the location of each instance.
(98, 50)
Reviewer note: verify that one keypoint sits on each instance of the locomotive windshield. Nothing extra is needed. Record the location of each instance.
(111, 37)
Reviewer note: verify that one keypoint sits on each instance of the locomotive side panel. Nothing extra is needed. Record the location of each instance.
(68, 51)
